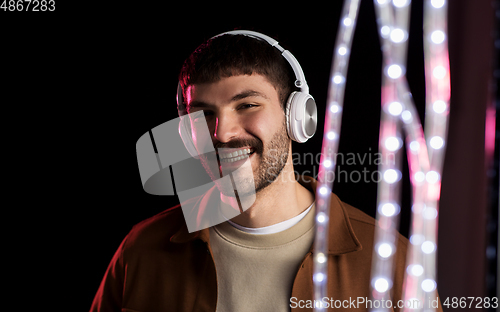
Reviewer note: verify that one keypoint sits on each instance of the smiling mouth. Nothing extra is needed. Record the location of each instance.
(229, 157)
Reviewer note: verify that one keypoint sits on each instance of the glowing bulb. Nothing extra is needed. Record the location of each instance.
(321, 258)
(327, 163)
(437, 3)
(436, 142)
(439, 106)
(428, 247)
(319, 277)
(432, 177)
(407, 117)
(323, 190)
(385, 250)
(388, 209)
(398, 35)
(347, 21)
(381, 285)
(342, 50)
(395, 108)
(400, 3)
(428, 285)
(335, 108)
(331, 135)
(414, 146)
(391, 176)
(415, 269)
(338, 79)
(381, 1)
(438, 36)
(385, 31)
(419, 176)
(416, 239)
(392, 144)
(439, 72)
(395, 71)
(321, 217)
(430, 213)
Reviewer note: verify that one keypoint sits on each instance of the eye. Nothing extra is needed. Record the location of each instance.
(245, 106)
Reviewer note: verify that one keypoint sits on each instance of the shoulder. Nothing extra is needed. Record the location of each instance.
(157, 230)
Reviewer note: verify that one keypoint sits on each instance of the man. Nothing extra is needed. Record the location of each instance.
(260, 259)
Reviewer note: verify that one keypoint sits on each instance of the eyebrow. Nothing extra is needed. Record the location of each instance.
(240, 96)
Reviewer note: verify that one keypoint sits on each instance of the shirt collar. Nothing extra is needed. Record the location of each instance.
(341, 240)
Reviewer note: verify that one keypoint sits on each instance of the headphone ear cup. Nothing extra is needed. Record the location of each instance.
(301, 116)
(185, 133)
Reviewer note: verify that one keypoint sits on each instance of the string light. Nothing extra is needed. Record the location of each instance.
(399, 110)
(336, 90)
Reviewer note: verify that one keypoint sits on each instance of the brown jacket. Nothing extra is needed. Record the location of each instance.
(160, 266)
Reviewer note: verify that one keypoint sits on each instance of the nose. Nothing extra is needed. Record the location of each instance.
(227, 128)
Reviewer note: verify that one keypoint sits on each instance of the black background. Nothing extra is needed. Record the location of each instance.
(91, 80)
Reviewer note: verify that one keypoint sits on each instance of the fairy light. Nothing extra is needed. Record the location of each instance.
(384, 250)
(331, 135)
(425, 163)
(406, 116)
(437, 36)
(439, 72)
(381, 285)
(428, 247)
(415, 269)
(436, 142)
(395, 108)
(439, 106)
(394, 71)
(428, 285)
(333, 121)
(335, 108)
(398, 35)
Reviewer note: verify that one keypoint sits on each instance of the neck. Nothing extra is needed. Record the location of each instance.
(283, 199)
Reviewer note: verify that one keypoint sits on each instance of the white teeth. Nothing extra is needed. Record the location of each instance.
(230, 160)
(235, 156)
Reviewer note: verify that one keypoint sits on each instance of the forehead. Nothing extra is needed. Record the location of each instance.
(227, 89)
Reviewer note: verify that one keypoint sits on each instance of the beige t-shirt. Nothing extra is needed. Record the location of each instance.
(256, 272)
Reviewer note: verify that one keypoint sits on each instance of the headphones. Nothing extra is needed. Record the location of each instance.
(301, 111)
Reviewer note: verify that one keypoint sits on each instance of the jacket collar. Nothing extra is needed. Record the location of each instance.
(341, 240)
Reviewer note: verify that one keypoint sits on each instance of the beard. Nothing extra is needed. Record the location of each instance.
(247, 180)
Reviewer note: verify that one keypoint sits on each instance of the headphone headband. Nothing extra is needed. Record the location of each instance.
(300, 79)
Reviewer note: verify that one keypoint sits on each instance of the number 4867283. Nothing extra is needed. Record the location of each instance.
(28, 5)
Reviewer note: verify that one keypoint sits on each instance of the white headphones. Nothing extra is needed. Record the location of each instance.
(301, 111)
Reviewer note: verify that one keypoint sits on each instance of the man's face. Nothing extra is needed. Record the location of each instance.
(247, 127)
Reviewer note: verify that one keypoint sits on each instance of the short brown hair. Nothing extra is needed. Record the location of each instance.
(232, 55)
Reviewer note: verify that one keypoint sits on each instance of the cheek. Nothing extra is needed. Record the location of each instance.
(265, 125)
